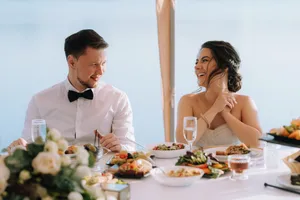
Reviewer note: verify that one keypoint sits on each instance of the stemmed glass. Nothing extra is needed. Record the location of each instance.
(190, 130)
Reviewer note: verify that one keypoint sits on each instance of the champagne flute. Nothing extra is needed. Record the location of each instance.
(190, 130)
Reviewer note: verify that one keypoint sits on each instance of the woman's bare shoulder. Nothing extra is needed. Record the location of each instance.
(191, 97)
(244, 99)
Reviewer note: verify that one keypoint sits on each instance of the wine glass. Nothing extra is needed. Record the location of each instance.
(190, 130)
(38, 130)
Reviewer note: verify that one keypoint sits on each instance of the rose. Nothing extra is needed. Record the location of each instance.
(62, 144)
(53, 135)
(5, 173)
(65, 160)
(75, 196)
(94, 191)
(47, 198)
(83, 171)
(24, 175)
(82, 156)
(51, 146)
(3, 185)
(47, 163)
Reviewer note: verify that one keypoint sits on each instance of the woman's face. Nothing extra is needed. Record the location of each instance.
(205, 64)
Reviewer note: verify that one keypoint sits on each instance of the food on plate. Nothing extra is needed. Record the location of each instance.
(71, 149)
(124, 156)
(292, 131)
(235, 149)
(89, 147)
(99, 178)
(212, 167)
(139, 166)
(295, 179)
(192, 158)
(183, 173)
(164, 147)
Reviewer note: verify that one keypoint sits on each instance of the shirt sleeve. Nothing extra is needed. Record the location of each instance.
(32, 113)
(122, 124)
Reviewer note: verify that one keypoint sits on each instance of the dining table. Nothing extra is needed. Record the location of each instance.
(222, 187)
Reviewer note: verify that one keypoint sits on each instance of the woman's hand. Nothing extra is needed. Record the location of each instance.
(225, 101)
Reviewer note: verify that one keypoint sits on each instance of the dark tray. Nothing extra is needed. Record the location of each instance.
(275, 139)
(131, 176)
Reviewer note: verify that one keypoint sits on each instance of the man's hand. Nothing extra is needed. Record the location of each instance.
(18, 142)
(109, 141)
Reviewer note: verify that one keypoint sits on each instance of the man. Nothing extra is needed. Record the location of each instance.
(80, 105)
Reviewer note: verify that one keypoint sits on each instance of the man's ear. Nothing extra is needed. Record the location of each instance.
(71, 61)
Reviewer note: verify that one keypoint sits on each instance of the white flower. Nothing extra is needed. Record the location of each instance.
(62, 144)
(53, 135)
(94, 191)
(82, 156)
(5, 173)
(83, 171)
(75, 196)
(47, 163)
(24, 175)
(65, 160)
(41, 191)
(3, 185)
(51, 146)
(47, 198)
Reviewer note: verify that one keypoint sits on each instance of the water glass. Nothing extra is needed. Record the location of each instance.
(38, 130)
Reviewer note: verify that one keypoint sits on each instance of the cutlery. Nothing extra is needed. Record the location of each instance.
(280, 188)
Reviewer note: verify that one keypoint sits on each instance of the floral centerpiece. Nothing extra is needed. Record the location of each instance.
(43, 172)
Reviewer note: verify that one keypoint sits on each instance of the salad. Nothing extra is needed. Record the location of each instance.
(211, 166)
(164, 147)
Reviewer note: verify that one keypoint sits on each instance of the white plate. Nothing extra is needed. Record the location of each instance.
(163, 179)
(255, 154)
(285, 181)
(168, 154)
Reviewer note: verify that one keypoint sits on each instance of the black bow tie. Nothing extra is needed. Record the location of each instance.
(73, 96)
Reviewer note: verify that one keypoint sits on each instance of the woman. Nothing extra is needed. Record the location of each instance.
(224, 117)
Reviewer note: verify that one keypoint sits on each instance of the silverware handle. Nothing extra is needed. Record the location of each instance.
(280, 188)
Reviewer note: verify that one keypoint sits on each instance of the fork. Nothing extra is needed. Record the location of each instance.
(98, 142)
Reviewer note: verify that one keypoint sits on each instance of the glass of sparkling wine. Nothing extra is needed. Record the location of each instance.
(190, 130)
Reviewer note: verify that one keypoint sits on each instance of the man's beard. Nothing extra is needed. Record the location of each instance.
(86, 84)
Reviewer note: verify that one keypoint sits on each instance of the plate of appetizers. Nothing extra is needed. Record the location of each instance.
(134, 169)
(288, 133)
(126, 156)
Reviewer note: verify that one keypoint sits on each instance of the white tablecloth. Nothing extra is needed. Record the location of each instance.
(221, 188)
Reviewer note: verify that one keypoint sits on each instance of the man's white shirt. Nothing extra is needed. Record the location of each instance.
(109, 111)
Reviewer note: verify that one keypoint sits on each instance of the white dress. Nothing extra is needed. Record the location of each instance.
(222, 135)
